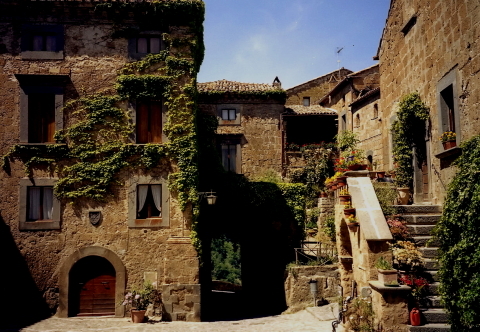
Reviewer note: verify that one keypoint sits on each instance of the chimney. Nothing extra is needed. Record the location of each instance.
(276, 83)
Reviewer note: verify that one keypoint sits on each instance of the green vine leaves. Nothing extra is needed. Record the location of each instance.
(408, 129)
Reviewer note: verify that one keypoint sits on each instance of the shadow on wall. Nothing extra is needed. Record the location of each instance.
(22, 303)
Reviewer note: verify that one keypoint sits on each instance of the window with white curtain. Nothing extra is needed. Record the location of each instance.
(149, 201)
(40, 203)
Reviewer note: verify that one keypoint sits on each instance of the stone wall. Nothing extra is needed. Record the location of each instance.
(424, 42)
(259, 129)
(297, 286)
(91, 60)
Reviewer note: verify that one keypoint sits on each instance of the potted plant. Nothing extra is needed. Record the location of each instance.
(138, 301)
(406, 255)
(386, 273)
(449, 139)
(348, 210)
(344, 196)
(352, 221)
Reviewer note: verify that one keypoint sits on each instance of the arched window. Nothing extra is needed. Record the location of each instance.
(357, 121)
(375, 111)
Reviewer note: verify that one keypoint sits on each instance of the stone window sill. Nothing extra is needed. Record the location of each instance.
(380, 287)
(41, 225)
(41, 55)
(149, 222)
(453, 152)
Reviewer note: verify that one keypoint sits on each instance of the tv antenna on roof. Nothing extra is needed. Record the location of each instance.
(339, 49)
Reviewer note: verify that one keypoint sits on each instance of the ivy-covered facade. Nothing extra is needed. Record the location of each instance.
(100, 154)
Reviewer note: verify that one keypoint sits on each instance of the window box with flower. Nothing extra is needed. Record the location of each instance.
(449, 140)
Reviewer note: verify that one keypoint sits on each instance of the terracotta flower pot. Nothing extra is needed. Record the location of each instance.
(380, 175)
(138, 316)
(352, 225)
(345, 199)
(403, 196)
(449, 144)
(354, 167)
(349, 212)
(323, 194)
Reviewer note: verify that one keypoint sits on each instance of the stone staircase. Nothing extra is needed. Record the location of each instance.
(421, 220)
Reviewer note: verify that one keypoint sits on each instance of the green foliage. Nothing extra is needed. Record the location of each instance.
(407, 130)
(386, 194)
(383, 264)
(294, 195)
(329, 228)
(225, 257)
(457, 233)
(361, 316)
(346, 140)
(269, 176)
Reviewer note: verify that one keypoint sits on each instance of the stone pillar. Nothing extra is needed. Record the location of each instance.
(390, 305)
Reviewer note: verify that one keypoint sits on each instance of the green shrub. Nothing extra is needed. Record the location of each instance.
(457, 233)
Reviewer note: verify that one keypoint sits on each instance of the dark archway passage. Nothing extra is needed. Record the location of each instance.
(92, 287)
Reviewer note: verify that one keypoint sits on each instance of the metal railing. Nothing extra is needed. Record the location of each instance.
(318, 252)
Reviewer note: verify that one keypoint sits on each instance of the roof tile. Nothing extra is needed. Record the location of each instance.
(232, 86)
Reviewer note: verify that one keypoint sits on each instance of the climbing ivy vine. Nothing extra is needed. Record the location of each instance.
(457, 233)
(96, 146)
(408, 129)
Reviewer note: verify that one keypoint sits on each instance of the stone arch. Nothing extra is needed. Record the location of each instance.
(63, 282)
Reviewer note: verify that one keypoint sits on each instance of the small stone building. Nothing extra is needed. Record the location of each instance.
(77, 256)
(249, 138)
(356, 99)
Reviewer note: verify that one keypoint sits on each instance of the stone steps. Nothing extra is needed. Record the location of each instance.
(421, 220)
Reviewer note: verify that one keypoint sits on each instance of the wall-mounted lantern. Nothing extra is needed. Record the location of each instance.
(210, 196)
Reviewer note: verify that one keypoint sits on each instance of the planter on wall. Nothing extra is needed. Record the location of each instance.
(449, 144)
(380, 175)
(387, 276)
(403, 195)
(353, 225)
(349, 211)
(341, 181)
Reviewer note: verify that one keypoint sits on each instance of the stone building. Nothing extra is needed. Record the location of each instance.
(77, 255)
(249, 138)
(356, 99)
(432, 48)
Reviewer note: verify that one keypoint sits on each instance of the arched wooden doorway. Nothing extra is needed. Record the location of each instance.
(92, 287)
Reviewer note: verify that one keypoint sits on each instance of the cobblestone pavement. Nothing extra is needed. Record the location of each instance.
(309, 320)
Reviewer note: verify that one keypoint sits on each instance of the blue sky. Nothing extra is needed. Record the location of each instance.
(296, 40)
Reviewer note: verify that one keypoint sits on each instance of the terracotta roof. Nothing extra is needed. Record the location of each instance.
(232, 86)
(366, 95)
(308, 110)
(319, 77)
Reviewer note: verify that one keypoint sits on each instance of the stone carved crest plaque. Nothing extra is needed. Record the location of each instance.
(94, 217)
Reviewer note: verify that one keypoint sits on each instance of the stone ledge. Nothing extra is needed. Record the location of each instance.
(380, 287)
(453, 152)
(179, 240)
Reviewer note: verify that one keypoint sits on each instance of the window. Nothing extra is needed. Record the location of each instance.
(149, 201)
(306, 101)
(39, 208)
(357, 120)
(229, 157)
(40, 203)
(149, 122)
(42, 42)
(448, 109)
(41, 117)
(41, 102)
(145, 43)
(229, 115)
(375, 111)
(148, 44)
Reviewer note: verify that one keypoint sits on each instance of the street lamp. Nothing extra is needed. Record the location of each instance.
(210, 196)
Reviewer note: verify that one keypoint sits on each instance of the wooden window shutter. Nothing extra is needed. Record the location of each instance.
(142, 122)
(156, 122)
(41, 117)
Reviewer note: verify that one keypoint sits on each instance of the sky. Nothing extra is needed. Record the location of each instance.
(297, 40)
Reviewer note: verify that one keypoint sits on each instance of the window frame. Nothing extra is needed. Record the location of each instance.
(133, 221)
(238, 114)
(449, 80)
(38, 84)
(133, 44)
(37, 225)
(306, 100)
(133, 112)
(232, 140)
(30, 30)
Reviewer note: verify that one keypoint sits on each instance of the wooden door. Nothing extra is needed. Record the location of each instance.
(97, 296)
(425, 184)
(92, 288)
